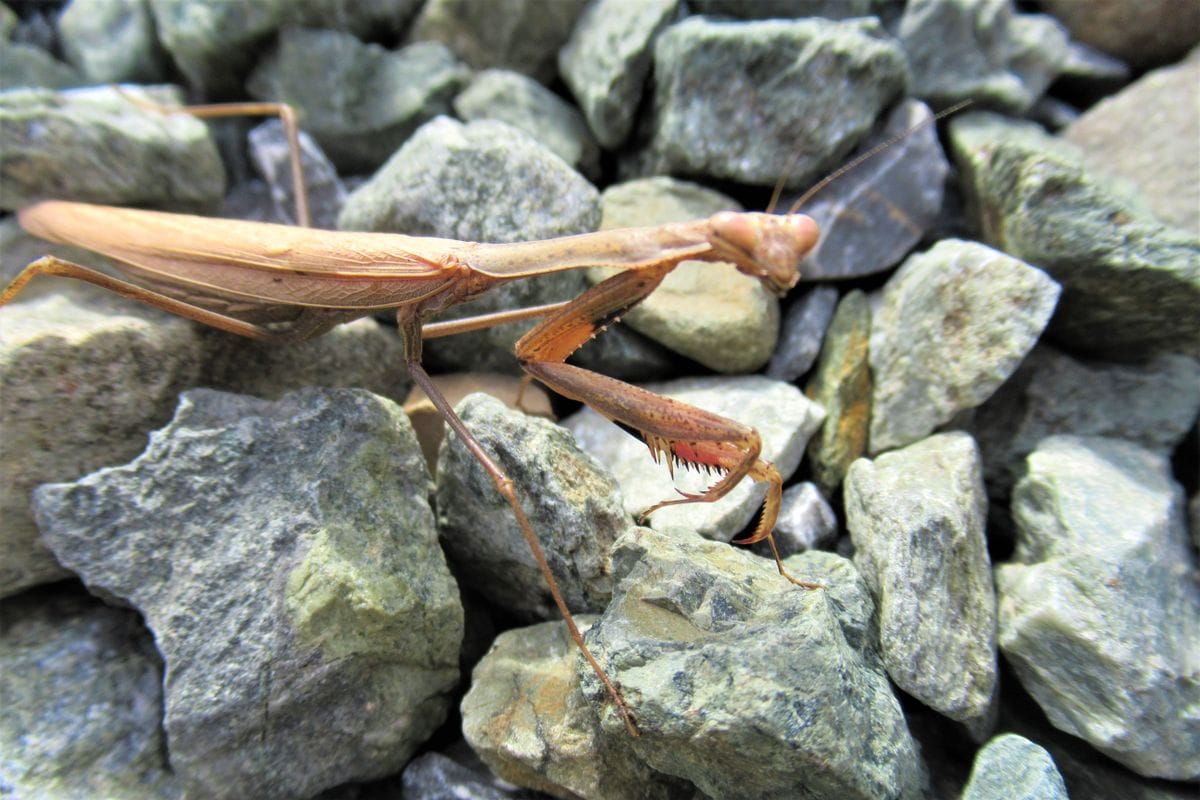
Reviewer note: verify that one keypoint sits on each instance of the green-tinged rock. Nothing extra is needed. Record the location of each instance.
(527, 718)
(94, 145)
(83, 378)
(112, 41)
(285, 558)
(783, 417)
(359, 101)
(981, 50)
(32, 67)
(841, 383)
(486, 182)
(953, 323)
(1153, 404)
(1010, 767)
(1131, 286)
(916, 517)
(573, 505)
(607, 60)
(82, 710)
(521, 35)
(1098, 612)
(530, 107)
(711, 313)
(753, 101)
(745, 684)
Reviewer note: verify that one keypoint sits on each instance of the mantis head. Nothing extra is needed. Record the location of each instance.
(765, 246)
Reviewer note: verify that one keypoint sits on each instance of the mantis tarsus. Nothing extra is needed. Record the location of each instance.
(278, 283)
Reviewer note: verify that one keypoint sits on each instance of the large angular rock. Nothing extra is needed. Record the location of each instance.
(916, 517)
(284, 556)
(953, 324)
(1098, 612)
(744, 684)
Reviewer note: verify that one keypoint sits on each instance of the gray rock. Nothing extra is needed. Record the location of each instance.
(1010, 767)
(841, 383)
(82, 381)
(607, 60)
(82, 688)
(96, 146)
(362, 354)
(1145, 135)
(801, 333)
(872, 216)
(711, 313)
(272, 157)
(215, 44)
(485, 181)
(916, 517)
(770, 9)
(1154, 404)
(784, 418)
(953, 324)
(8, 22)
(1194, 514)
(573, 505)
(806, 522)
(980, 50)
(324, 75)
(27, 65)
(753, 101)
(112, 41)
(744, 684)
(1130, 285)
(521, 35)
(434, 776)
(527, 718)
(1098, 612)
(530, 107)
(284, 556)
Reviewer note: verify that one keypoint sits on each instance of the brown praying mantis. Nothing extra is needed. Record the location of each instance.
(284, 284)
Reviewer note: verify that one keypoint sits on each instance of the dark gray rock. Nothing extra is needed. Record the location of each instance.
(980, 50)
(324, 75)
(953, 324)
(96, 146)
(112, 41)
(82, 688)
(521, 35)
(272, 156)
(801, 333)
(527, 718)
(753, 101)
(1010, 767)
(872, 216)
(916, 517)
(83, 379)
(1099, 609)
(530, 107)
(485, 181)
(1153, 404)
(711, 313)
(1130, 284)
(747, 685)
(573, 505)
(607, 60)
(841, 383)
(284, 556)
(783, 416)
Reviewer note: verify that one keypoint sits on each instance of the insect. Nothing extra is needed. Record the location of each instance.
(284, 284)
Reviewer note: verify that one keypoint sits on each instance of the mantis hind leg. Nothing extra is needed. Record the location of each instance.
(410, 328)
(675, 432)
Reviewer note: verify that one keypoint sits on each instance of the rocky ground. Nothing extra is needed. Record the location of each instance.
(230, 570)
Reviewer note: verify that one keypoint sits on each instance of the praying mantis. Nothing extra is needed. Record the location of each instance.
(283, 284)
